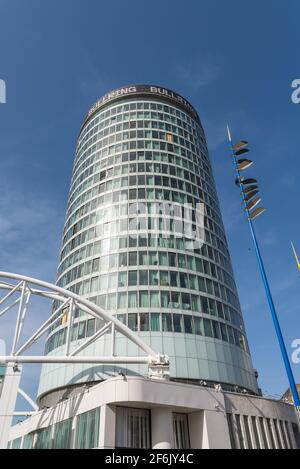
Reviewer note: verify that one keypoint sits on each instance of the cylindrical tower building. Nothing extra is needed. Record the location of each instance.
(141, 159)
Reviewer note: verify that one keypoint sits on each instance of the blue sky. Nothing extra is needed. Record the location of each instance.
(233, 60)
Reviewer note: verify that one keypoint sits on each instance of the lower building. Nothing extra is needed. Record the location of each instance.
(288, 396)
(136, 412)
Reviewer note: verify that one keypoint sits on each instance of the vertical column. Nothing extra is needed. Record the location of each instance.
(215, 432)
(162, 428)
(8, 400)
(73, 433)
(107, 437)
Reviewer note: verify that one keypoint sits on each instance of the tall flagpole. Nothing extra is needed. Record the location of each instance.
(250, 217)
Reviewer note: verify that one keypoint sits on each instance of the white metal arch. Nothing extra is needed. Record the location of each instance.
(27, 287)
(18, 291)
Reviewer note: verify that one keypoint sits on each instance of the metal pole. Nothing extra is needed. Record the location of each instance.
(275, 320)
(280, 338)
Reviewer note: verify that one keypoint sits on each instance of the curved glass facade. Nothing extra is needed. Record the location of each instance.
(141, 172)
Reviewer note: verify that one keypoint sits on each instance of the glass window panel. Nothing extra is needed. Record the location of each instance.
(177, 322)
(122, 300)
(43, 439)
(153, 258)
(111, 301)
(181, 431)
(212, 307)
(199, 327)
(216, 330)
(191, 263)
(188, 324)
(81, 330)
(155, 322)
(133, 428)
(224, 332)
(62, 435)
(207, 328)
(144, 299)
(181, 261)
(132, 278)
(186, 301)
(102, 301)
(87, 430)
(123, 259)
(74, 332)
(122, 318)
(174, 279)
(16, 444)
(195, 303)
(172, 259)
(143, 275)
(122, 279)
(112, 280)
(199, 265)
(163, 259)
(154, 299)
(153, 277)
(144, 322)
(133, 321)
(104, 264)
(165, 299)
(193, 282)
(132, 300)
(144, 259)
(103, 282)
(220, 310)
(167, 322)
(90, 327)
(95, 284)
(132, 260)
(209, 286)
(28, 441)
(164, 278)
(175, 297)
(183, 280)
(202, 286)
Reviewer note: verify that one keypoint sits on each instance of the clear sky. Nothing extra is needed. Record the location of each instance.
(233, 60)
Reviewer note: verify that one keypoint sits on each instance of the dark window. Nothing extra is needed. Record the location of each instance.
(133, 321)
(144, 322)
(132, 258)
(90, 327)
(167, 322)
(177, 321)
(132, 278)
(188, 324)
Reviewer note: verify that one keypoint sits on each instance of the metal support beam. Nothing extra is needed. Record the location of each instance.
(158, 365)
(81, 359)
(8, 400)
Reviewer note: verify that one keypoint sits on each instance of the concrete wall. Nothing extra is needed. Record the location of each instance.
(206, 409)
